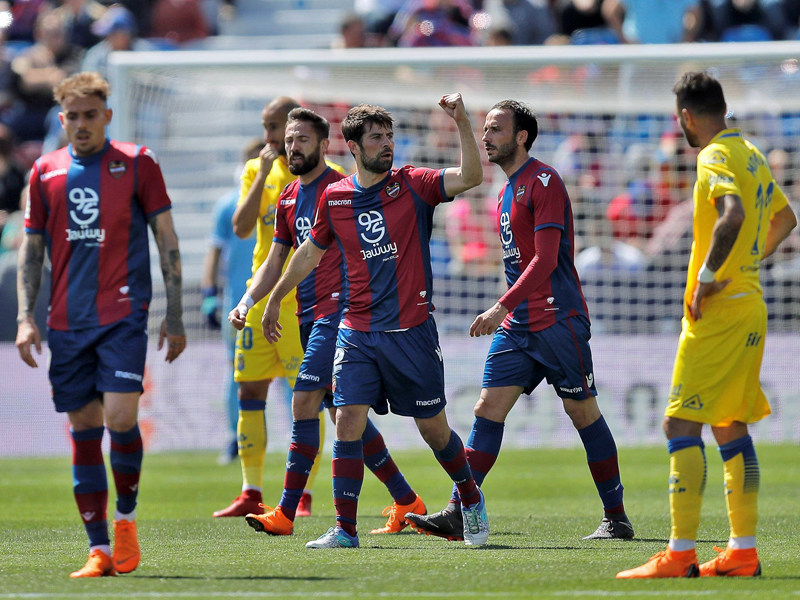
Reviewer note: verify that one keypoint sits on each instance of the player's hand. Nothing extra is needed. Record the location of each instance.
(27, 335)
(269, 322)
(453, 105)
(703, 290)
(486, 322)
(176, 341)
(210, 307)
(238, 316)
(267, 156)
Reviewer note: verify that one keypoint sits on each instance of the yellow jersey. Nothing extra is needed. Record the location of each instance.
(730, 164)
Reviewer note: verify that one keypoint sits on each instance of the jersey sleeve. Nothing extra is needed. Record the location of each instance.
(283, 234)
(427, 183)
(548, 202)
(247, 178)
(321, 233)
(714, 174)
(152, 191)
(35, 210)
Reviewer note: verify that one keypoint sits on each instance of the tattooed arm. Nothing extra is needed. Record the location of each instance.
(170, 258)
(29, 279)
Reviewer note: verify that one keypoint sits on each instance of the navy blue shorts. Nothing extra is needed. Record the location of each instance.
(87, 362)
(319, 345)
(560, 353)
(398, 370)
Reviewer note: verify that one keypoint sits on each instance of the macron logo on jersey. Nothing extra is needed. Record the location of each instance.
(544, 178)
(51, 174)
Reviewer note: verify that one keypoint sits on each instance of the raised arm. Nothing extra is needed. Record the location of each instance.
(470, 172)
(29, 279)
(170, 258)
(305, 259)
(246, 215)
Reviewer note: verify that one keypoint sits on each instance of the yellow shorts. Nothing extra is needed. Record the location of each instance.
(256, 359)
(715, 379)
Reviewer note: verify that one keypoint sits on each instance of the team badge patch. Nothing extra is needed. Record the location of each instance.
(117, 168)
(520, 193)
(393, 189)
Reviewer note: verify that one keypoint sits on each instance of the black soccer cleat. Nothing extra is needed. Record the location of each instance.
(611, 529)
(447, 523)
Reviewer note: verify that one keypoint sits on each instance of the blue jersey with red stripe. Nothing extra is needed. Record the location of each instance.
(320, 294)
(533, 198)
(383, 232)
(93, 211)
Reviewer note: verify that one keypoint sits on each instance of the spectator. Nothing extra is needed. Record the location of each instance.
(142, 11)
(498, 36)
(117, 27)
(351, 32)
(178, 21)
(12, 175)
(378, 15)
(745, 20)
(654, 21)
(432, 23)
(12, 224)
(36, 71)
(530, 22)
(581, 21)
(78, 17)
(23, 19)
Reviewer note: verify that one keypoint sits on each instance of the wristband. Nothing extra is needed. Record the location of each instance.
(706, 275)
(247, 302)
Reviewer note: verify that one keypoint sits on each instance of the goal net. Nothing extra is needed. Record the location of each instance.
(606, 117)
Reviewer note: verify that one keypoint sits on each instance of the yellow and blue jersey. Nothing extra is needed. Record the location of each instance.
(730, 164)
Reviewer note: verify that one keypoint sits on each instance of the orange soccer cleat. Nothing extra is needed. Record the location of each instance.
(247, 502)
(98, 565)
(126, 546)
(669, 563)
(272, 521)
(396, 513)
(732, 563)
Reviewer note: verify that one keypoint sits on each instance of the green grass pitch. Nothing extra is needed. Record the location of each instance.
(540, 503)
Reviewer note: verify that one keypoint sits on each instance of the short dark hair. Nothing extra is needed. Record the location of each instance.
(355, 122)
(318, 122)
(700, 93)
(523, 118)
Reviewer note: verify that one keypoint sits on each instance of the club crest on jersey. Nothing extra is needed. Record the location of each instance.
(520, 193)
(393, 189)
(117, 168)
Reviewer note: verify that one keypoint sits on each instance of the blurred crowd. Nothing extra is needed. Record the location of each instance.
(409, 23)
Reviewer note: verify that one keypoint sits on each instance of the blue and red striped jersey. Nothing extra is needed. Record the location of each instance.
(93, 211)
(383, 232)
(533, 198)
(320, 294)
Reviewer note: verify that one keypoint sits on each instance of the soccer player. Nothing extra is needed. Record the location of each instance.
(540, 325)
(256, 362)
(740, 217)
(320, 302)
(387, 346)
(90, 205)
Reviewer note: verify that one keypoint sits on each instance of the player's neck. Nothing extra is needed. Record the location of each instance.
(367, 178)
(515, 164)
(312, 175)
(710, 131)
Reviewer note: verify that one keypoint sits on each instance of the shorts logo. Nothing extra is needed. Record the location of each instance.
(589, 379)
(393, 189)
(117, 168)
(240, 363)
(302, 227)
(693, 403)
(439, 354)
(431, 402)
(127, 375)
(423, 293)
(753, 339)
